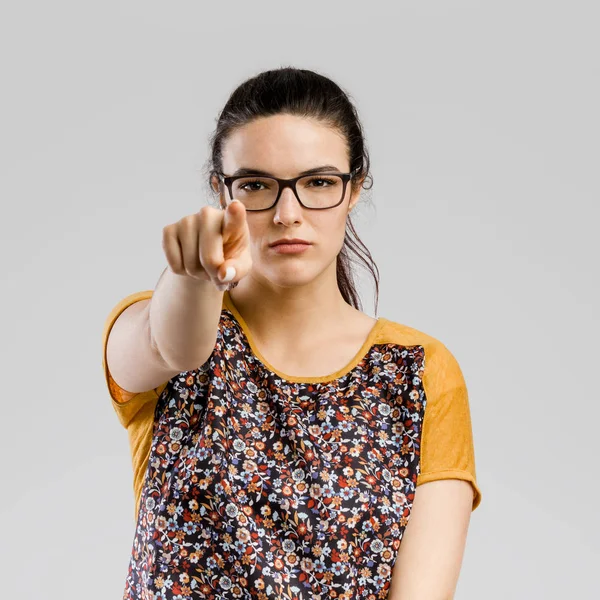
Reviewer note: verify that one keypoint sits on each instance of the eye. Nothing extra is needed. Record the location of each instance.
(322, 179)
(246, 183)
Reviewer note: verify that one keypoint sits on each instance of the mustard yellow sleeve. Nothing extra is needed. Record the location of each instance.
(447, 450)
(135, 411)
(126, 404)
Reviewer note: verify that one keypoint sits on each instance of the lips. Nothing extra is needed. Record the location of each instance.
(294, 241)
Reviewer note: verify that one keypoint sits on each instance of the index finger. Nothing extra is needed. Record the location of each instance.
(234, 223)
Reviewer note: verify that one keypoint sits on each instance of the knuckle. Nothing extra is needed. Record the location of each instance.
(189, 223)
(205, 212)
(168, 232)
(210, 263)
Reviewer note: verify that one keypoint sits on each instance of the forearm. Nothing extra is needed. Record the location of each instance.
(183, 317)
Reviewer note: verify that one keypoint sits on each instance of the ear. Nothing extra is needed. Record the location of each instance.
(215, 184)
(355, 195)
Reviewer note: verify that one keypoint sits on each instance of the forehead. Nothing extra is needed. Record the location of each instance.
(284, 145)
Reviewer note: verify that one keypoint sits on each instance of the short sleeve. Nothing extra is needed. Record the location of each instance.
(126, 404)
(447, 450)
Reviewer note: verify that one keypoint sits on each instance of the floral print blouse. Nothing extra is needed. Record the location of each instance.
(250, 483)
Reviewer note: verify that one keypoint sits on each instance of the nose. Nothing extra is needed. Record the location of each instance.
(288, 209)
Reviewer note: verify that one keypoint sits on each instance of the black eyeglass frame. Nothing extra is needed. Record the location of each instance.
(291, 183)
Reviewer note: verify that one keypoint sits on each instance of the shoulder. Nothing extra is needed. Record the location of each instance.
(440, 368)
(124, 303)
(446, 446)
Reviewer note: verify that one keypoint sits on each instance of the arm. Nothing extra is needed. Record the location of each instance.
(177, 329)
(432, 548)
(152, 340)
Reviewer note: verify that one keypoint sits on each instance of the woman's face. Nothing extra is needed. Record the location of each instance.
(284, 146)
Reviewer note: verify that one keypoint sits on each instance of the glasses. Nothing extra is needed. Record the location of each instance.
(315, 192)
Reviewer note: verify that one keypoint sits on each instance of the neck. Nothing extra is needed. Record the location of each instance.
(277, 314)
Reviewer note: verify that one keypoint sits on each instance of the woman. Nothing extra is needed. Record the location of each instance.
(284, 443)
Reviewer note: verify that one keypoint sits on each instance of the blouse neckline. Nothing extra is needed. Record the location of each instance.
(358, 357)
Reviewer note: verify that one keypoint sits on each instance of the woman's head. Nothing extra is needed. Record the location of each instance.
(283, 122)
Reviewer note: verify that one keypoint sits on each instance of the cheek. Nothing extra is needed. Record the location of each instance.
(258, 232)
(331, 233)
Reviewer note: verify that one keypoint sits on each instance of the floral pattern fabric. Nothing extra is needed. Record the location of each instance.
(259, 488)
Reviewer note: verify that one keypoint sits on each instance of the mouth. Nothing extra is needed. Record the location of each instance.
(290, 248)
(292, 241)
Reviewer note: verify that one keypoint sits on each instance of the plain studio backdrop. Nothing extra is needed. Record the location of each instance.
(482, 122)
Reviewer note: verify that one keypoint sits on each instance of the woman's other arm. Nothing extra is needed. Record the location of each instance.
(432, 548)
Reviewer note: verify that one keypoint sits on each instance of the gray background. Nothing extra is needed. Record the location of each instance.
(482, 122)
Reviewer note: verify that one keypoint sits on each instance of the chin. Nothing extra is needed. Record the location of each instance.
(290, 279)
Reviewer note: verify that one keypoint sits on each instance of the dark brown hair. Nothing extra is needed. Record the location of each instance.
(304, 93)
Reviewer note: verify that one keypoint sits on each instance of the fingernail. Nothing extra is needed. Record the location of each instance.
(229, 274)
(222, 288)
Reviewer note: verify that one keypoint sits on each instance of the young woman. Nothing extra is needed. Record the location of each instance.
(285, 444)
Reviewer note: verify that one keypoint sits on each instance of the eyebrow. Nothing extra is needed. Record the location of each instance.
(323, 169)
